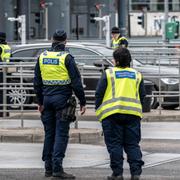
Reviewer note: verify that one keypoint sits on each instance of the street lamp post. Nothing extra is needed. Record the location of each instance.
(166, 9)
(99, 8)
(22, 20)
(46, 6)
(106, 20)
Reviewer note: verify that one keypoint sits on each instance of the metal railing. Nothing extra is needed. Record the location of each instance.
(17, 85)
(154, 56)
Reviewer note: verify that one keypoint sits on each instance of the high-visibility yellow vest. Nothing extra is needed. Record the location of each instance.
(116, 42)
(122, 93)
(6, 52)
(53, 69)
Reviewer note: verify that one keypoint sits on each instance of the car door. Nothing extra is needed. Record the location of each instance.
(90, 74)
(85, 59)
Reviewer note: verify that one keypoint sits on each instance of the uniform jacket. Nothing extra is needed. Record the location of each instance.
(65, 91)
(101, 88)
(122, 42)
(1, 42)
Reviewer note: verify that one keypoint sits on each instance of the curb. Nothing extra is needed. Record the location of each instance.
(161, 118)
(36, 135)
(153, 116)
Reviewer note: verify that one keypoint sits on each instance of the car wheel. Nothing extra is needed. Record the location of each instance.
(154, 102)
(16, 96)
(169, 107)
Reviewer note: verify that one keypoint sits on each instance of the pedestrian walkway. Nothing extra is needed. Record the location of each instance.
(86, 161)
(89, 162)
(155, 115)
(88, 132)
(28, 155)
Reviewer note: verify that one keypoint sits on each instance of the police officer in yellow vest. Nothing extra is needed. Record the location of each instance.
(56, 76)
(119, 97)
(117, 39)
(5, 54)
(5, 50)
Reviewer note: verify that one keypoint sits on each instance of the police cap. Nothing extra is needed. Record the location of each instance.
(115, 30)
(59, 35)
(2, 36)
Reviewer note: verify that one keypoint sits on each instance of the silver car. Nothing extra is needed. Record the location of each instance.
(94, 55)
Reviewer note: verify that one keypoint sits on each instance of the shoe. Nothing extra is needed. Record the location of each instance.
(63, 175)
(135, 177)
(48, 173)
(48, 168)
(113, 177)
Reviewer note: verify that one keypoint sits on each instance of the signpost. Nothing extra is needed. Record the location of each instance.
(22, 20)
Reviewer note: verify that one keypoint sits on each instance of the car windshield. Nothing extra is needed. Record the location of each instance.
(102, 50)
(137, 63)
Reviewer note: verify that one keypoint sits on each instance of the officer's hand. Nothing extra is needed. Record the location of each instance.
(40, 108)
(82, 109)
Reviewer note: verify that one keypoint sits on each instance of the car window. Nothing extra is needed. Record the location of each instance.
(25, 53)
(41, 50)
(84, 55)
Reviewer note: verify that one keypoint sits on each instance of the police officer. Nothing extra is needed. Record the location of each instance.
(5, 50)
(117, 39)
(56, 76)
(5, 54)
(119, 97)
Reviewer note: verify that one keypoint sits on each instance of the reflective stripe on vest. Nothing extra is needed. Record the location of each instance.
(53, 69)
(115, 99)
(116, 43)
(6, 52)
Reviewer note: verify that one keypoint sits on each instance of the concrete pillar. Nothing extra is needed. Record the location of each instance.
(59, 16)
(24, 9)
(9, 11)
(123, 12)
(2, 17)
(130, 5)
(175, 5)
(153, 5)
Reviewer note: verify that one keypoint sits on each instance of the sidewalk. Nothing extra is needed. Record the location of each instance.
(162, 116)
(90, 162)
(154, 115)
(164, 126)
(36, 135)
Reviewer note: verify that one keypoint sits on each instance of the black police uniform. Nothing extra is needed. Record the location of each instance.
(54, 98)
(2, 41)
(123, 41)
(121, 132)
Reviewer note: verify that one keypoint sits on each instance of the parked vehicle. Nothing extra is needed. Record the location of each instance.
(94, 55)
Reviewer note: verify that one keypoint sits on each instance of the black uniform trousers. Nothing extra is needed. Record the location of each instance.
(122, 132)
(56, 133)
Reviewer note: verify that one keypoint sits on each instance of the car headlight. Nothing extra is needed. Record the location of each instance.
(171, 81)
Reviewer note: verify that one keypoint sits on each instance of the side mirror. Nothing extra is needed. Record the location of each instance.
(101, 63)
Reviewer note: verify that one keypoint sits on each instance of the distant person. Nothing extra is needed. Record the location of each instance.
(5, 50)
(119, 97)
(117, 39)
(56, 77)
(5, 54)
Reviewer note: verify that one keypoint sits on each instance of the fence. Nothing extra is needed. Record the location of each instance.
(17, 85)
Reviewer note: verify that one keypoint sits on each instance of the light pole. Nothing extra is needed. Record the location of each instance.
(46, 6)
(99, 8)
(106, 20)
(22, 20)
(166, 9)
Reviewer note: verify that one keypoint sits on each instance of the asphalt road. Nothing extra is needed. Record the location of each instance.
(160, 146)
(169, 171)
(91, 162)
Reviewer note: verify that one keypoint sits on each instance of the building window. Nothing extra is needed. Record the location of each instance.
(154, 5)
(160, 5)
(139, 5)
